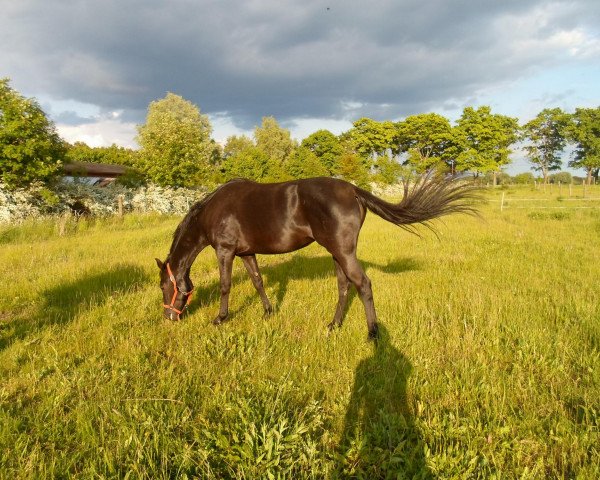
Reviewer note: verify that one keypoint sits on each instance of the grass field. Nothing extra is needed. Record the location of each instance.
(488, 364)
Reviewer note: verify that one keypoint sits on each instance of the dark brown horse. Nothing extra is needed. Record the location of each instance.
(242, 218)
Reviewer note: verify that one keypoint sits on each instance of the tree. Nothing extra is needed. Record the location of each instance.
(425, 137)
(352, 168)
(525, 178)
(115, 155)
(251, 163)
(236, 144)
(274, 141)
(176, 148)
(388, 170)
(30, 148)
(371, 139)
(584, 132)
(326, 146)
(561, 177)
(305, 164)
(486, 140)
(546, 140)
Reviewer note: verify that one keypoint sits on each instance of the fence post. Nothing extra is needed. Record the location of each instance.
(559, 188)
(62, 223)
(502, 202)
(120, 204)
(571, 189)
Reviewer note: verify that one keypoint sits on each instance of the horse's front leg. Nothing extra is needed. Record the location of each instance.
(225, 259)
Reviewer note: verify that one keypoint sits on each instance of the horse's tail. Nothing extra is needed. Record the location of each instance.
(429, 197)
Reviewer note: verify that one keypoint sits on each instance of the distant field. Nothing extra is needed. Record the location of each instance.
(488, 365)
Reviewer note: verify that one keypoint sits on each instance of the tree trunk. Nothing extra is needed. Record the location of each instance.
(589, 175)
(495, 176)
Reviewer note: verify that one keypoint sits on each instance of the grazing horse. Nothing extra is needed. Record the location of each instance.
(244, 218)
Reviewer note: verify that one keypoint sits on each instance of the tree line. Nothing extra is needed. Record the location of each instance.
(177, 149)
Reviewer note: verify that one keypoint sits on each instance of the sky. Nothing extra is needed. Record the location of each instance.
(94, 66)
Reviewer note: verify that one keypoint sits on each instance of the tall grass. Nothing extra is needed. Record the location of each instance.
(488, 364)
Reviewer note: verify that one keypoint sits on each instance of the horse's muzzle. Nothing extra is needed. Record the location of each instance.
(172, 315)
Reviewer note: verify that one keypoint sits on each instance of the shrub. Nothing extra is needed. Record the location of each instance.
(562, 177)
(38, 200)
(526, 178)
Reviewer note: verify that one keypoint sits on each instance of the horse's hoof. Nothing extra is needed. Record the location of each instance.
(373, 334)
(332, 326)
(268, 312)
(218, 320)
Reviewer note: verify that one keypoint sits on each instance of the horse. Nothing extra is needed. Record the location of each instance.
(242, 218)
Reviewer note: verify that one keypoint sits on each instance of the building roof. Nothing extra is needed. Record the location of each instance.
(88, 169)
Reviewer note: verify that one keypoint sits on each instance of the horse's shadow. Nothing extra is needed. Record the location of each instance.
(277, 277)
(61, 304)
(379, 438)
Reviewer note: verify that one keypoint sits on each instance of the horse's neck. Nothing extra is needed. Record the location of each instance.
(184, 250)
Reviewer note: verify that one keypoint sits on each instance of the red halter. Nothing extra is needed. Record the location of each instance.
(171, 306)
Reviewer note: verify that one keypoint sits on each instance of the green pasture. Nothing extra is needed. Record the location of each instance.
(488, 364)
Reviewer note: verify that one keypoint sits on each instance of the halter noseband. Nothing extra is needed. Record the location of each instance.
(171, 306)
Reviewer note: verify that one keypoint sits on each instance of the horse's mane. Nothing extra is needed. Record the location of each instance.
(195, 209)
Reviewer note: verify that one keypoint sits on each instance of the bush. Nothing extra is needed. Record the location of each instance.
(526, 178)
(562, 177)
(30, 149)
(38, 200)
(502, 178)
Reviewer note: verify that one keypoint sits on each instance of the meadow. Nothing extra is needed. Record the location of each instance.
(488, 365)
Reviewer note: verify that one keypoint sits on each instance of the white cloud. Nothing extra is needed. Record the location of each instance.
(101, 133)
(303, 127)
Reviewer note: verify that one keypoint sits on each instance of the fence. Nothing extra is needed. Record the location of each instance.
(583, 197)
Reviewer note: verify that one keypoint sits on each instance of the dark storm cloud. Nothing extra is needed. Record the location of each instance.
(313, 59)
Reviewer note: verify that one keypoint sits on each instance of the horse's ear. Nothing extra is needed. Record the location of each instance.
(159, 263)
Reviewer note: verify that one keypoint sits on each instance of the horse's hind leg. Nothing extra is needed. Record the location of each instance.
(252, 267)
(355, 273)
(225, 259)
(343, 287)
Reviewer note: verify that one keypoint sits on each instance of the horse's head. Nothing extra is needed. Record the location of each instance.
(177, 291)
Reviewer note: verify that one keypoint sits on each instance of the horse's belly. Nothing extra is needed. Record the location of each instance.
(269, 242)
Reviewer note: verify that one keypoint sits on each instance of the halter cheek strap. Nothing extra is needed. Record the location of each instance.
(176, 291)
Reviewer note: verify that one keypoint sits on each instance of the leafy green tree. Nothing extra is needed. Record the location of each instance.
(236, 144)
(352, 168)
(372, 139)
(251, 163)
(546, 140)
(176, 148)
(486, 139)
(274, 141)
(525, 178)
(388, 170)
(425, 138)
(305, 164)
(30, 148)
(584, 132)
(115, 155)
(561, 177)
(327, 147)
(501, 178)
